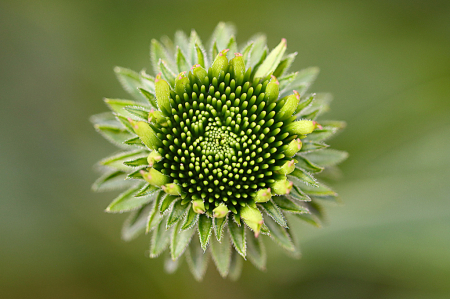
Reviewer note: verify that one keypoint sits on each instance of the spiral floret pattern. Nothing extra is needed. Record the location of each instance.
(217, 145)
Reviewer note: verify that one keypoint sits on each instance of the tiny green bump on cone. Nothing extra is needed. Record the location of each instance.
(220, 140)
(263, 195)
(154, 177)
(200, 73)
(301, 127)
(146, 134)
(287, 167)
(220, 64)
(220, 211)
(162, 91)
(291, 103)
(156, 116)
(253, 218)
(282, 187)
(153, 158)
(238, 67)
(294, 147)
(181, 82)
(198, 206)
(172, 189)
(272, 89)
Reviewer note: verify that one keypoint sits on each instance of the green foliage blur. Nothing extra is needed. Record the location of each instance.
(387, 64)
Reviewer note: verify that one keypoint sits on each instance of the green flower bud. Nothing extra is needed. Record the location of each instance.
(287, 167)
(263, 195)
(162, 91)
(200, 73)
(220, 211)
(220, 64)
(153, 157)
(156, 116)
(221, 139)
(301, 127)
(238, 68)
(145, 133)
(272, 90)
(198, 206)
(154, 177)
(290, 104)
(253, 218)
(181, 81)
(294, 147)
(282, 187)
(172, 189)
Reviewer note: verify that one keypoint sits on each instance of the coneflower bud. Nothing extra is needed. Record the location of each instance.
(181, 82)
(162, 91)
(263, 195)
(282, 186)
(253, 218)
(287, 167)
(145, 133)
(153, 157)
(200, 73)
(198, 206)
(238, 68)
(172, 189)
(290, 104)
(294, 147)
(154, 177)
(220, 64)
(218, 142)
(220, 211)
(272, 90)
(156, 116)
(301, 127)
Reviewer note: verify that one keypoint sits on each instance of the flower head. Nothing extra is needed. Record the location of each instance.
(218, 140)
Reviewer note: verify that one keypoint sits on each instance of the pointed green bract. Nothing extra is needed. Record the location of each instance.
(155, 217)
(280, 235)
(274, 212)
(236, 264)
(272, 60)
(157, 53)
(288, 205)
(127, 201)
(219, 225)
(190, 220)
(182, 63)
(237, 234)
(135, 223)
(221, 253)
(180, 240)
(130, 81)
(304, 176)
(256, 253)
(160, 239)
(197, 259)
(204, 230)
(167, 201)
(327, 157)
(177, 213)
(213, 140)
(284, 65)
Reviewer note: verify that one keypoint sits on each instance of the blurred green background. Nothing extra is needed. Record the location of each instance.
(387, 64)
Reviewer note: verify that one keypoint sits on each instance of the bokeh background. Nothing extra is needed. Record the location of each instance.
(386, 62)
